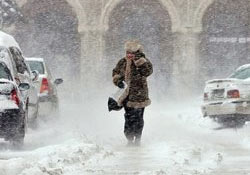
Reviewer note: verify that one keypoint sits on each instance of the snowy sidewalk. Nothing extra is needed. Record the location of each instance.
(175, 142)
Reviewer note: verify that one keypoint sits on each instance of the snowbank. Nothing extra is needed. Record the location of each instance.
(67, 158)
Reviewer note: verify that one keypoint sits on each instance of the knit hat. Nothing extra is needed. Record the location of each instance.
(133, 46)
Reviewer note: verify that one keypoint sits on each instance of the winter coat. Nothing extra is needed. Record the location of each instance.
(135, 74)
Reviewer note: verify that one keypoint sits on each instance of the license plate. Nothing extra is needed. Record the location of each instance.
(218, 93)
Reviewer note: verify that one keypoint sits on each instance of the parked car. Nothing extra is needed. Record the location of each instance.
(12, 55)
(48, 98)
(228, 100)
(13, 110)
(32, 95)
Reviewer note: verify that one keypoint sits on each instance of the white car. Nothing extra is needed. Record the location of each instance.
(13, 110)
(228, 100)
(11, 54)
(47, 86)
(33, 95)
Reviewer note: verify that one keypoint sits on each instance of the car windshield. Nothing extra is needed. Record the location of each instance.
(4, 72)
(241, 74)
(36, 65)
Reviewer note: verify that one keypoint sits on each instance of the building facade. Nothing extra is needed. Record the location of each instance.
(189, 40)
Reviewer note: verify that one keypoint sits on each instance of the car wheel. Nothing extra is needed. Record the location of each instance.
(37, 111)
(240, 121)
(26, 116)
(232, 121)
(18, 140)
(55, 111)
(34, 123)
(17, 143)
(214, 118)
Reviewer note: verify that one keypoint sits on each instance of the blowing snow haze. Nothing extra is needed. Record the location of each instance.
(75, 45)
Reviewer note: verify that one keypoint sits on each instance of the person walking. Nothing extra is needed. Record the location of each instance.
(133, 70)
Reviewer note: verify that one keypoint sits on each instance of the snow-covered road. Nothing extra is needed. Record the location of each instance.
(176, 141)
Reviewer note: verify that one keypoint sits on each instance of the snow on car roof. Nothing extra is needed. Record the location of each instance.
(245, 66)
(4, 57)
(7, 40)
(7, 81)
(34, 59)
(221, 80)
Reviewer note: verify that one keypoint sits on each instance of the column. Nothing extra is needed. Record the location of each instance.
(186, 63)
(91, 61)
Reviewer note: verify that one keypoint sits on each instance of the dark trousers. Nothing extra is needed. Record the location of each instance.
(133, 123)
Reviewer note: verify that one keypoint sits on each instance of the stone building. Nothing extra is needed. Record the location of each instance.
(189, 41)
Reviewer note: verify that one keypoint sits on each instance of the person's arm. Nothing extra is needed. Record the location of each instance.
(144, 66)
(116, 75)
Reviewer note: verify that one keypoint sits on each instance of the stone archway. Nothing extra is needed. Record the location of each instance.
(149, 22)
(76, 7)
(225, 40)
(51, 32)
(167, 4)
(199, 13)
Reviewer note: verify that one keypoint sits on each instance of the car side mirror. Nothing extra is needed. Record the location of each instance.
(58, 81)
(35, 75)
(24, 86)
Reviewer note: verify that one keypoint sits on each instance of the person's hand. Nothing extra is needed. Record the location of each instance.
(138, 55)
(121, 85)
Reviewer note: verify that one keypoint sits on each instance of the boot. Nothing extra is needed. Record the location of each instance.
(137, 142)
(130, 143)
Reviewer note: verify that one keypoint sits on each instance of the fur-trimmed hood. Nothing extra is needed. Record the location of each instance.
(133, 46)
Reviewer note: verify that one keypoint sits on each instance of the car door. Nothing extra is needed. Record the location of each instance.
(40, 68)
(33, 92)
(23, 75)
